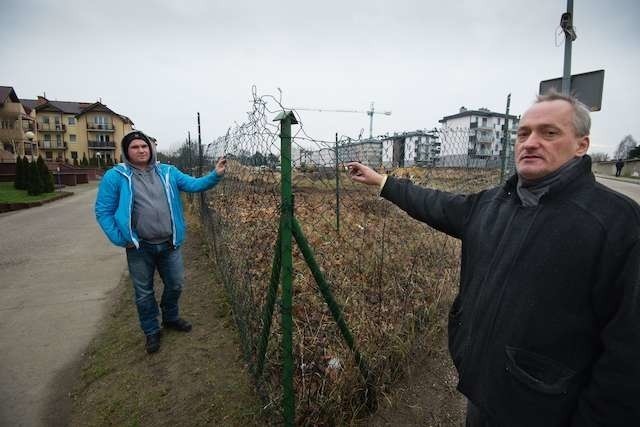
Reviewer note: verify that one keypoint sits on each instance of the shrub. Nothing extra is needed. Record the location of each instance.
(45, 176)
(18, 183)
(35, 185)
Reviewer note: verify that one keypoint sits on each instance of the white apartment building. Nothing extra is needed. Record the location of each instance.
(473, 138)
(418, 148)
(367, 152)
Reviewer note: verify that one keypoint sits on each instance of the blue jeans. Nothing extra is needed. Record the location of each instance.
(142, 265)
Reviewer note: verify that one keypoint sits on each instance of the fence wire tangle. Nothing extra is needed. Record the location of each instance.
(393, 277)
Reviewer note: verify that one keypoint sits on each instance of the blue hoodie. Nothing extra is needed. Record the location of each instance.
(114, 204)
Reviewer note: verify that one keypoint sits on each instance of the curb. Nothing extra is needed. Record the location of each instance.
(621, 179)
(8, 207)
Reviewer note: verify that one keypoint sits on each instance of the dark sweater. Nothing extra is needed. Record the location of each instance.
(545, 330)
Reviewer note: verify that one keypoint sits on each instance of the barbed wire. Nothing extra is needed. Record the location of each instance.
(393, 276)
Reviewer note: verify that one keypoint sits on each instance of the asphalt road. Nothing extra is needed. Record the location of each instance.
(631, 189)
(56, 272)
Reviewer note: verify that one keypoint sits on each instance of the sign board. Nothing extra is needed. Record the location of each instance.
(587, 87)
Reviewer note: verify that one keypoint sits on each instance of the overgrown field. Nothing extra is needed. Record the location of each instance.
(393, 276)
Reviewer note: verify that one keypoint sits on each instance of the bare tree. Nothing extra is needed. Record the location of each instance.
(627, 144)
(599, 157)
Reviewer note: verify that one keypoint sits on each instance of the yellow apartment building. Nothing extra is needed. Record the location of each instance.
(16, 122)
(60, 130)
(73, 130)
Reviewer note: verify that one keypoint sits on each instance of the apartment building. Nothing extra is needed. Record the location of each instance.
(73, 130)
(474, 138)
(59, 130)
(367, 151)
(417, 148)
(16, 121)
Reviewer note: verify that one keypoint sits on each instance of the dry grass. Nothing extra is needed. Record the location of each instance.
(393, 276)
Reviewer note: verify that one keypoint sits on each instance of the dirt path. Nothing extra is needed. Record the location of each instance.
(196, 379)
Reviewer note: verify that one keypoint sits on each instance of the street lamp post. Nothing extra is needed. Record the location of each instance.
(29, 135)
(58, 177)
(98, 155)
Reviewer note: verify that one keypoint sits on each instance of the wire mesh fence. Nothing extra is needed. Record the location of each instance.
(392, 277)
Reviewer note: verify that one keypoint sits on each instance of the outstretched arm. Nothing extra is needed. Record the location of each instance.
(364, 174)
(194, 185)
(444, 211)
(221, 166)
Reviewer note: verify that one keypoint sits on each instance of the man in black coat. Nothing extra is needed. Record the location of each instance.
(619, 166)
(545, 329)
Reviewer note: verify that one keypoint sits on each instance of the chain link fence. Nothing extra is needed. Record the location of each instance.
(392, 278)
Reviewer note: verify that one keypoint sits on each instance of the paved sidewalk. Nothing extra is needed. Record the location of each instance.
(619, 178)
(57, 270)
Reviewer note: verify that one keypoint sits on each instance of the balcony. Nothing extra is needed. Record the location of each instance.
(53, 145)
(100, 127)
(102, 145)
(28, 126)
(476, 125)
(52, 127)
(484, 137)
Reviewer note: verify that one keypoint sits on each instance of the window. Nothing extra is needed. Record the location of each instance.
(47, 137)
(48, 155)
(56, 120)
(71, 120)
(58, 139)
(72, 137)
(484, 121)
(74, 155)
(45, 120)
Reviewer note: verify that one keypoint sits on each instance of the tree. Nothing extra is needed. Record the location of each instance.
(272, 160)
(25, 173)
(257, 159)
(627, 144)
(84, 161)
(634, 153)
(75, 161)
(22, 173)
(35, 185)
(45, 176)
(599, 157)
(17, 183)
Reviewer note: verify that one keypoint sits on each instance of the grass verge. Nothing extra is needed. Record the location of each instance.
(8, 194)
(196, 379)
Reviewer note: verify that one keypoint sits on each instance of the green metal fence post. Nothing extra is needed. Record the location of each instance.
(335, 309)
(286, 119)
(268, 307)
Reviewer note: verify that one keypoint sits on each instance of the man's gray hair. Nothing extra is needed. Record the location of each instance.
(581, 116)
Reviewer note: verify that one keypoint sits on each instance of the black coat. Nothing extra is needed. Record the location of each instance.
(545, 330)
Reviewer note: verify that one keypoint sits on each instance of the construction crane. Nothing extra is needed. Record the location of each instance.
(370, 112)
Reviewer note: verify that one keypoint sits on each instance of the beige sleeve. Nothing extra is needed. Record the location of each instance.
(384, 181)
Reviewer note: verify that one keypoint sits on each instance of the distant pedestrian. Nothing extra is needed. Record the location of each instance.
(139, 208)
(619, 166)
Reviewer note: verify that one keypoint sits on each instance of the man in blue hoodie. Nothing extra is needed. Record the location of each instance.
(139, 208)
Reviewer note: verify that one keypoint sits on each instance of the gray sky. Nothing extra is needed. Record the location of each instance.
(159, 62)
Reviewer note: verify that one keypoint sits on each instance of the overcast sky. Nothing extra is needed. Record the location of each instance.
(160, 62)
